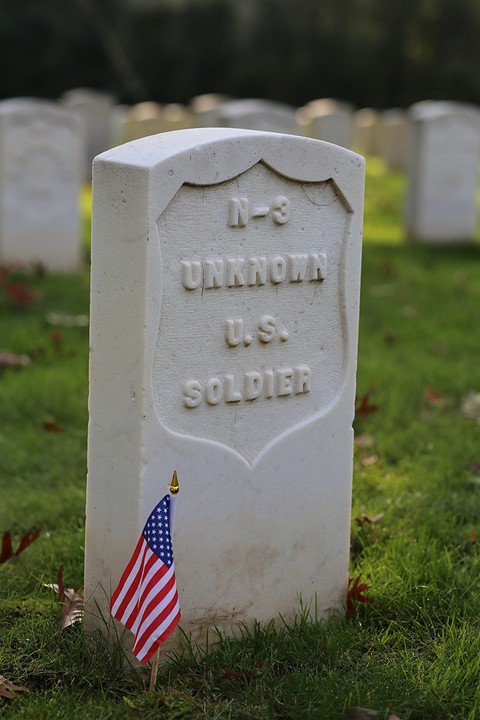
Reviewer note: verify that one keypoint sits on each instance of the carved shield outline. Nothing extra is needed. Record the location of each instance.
(309, 417)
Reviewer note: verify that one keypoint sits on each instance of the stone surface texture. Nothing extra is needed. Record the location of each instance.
(224, 320)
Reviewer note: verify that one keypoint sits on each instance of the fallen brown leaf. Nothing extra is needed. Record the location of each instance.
(27, 540)
(69, 599)
(21, 294)
(362, 519)
(8, 689)
(7, 548)
(365, 407)
(51, 426)
(433, 397)
(57, 337)
(356, 594)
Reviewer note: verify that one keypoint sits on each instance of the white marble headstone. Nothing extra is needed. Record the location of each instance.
(443, 172)
(327, 119)
(204, 109)
(393, 138)
(255, 114)
(225, 290)
(42, 150)
(366, 131)
(95, 110)
(141, 120)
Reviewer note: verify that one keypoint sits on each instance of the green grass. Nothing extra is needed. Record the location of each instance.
(414, 651)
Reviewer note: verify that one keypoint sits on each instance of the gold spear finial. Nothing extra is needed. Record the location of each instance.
(174, 488)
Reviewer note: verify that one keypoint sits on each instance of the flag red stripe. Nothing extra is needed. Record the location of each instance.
(156, 592)
(161, 625)
(127, 571)
(157, 577)
(131, 611)
(170, 627)
(158, 595)
(129, 586)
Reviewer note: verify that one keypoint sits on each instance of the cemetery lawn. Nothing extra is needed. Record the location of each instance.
(414, 652)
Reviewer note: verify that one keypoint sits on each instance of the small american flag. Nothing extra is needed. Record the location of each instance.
(146, 599)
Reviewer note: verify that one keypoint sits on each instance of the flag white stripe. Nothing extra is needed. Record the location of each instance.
(157, 565)
(157, 633)
(156, 590)
(132, 605)
(127, 584)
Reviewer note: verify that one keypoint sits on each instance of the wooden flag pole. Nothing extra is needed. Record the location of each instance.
(154, 673)
(174, 488)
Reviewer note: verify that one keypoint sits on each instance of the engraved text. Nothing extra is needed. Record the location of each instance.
(210, 273)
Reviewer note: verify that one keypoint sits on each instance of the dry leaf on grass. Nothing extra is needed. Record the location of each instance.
(433, 397)
(356, 594)
(364, 406)
(20, 293)
(7, 548)
(8, 689)
(362, 519)
(51, 426)
(69, 599)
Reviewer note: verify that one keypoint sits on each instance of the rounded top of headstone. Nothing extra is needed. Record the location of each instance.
(79, 96)
(325, 106)
(232, 144)
(256, 114)
(365, 117)
(207, 102)
(431, 109)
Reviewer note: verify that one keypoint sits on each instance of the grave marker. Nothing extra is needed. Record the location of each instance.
(443, 172)
(393, 139)
(42, 150)
(225, 288)
(253, 114)
(95, 109)
(366, 126)
(327, 119)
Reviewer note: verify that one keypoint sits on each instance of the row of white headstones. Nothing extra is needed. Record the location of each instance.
(225, 276)
(47, 150)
